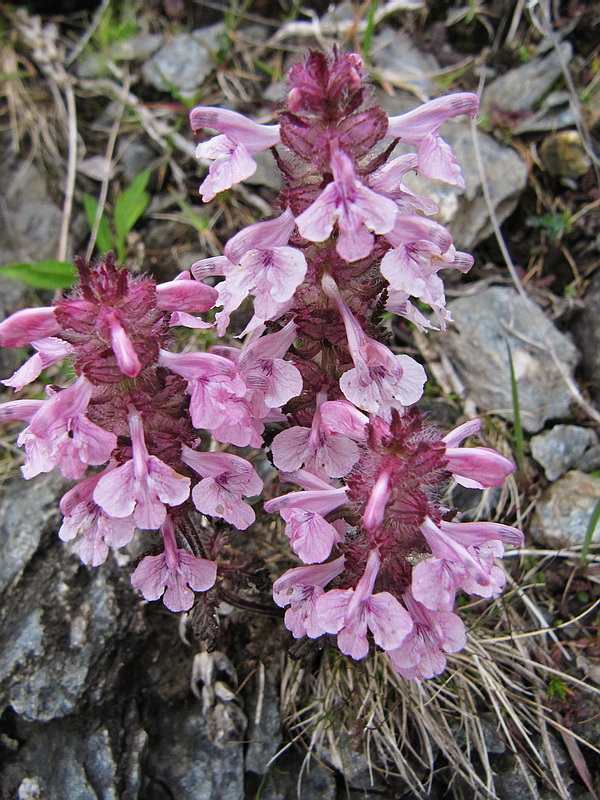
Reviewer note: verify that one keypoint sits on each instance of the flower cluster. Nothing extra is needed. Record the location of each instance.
(383, 558)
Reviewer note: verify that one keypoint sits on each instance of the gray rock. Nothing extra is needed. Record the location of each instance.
(30, 220)
(586, 330)
(135, 155)
(396, 58)
(563, 512)
(555, 113)
(264, 721)
(477, 345)
(465, 211)
(561, 448)
(520, 88)
(513, 780)
(185, 62)
(63, 628)
(183, 760)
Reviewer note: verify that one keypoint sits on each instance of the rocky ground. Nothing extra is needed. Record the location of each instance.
(106, 697)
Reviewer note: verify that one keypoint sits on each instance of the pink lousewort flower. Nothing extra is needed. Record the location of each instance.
(176, 574)
(311, 536)
(300, 588)
(99, 531)
(258, 262)
(225, 479)
(350, 612)
(421, 126)
(475, 467)
(433, 633)
(356, 209)
(231, 152)
(143, 486)
(61, 435)
(49, 351)
(27, 326)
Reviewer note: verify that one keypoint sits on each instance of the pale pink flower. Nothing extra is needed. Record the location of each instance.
(387, 180)
(475, 467)
(121, 344)
(300, 588)
(356, 209)
(28, 325)
(176, 574)
(225, 480)
(271, 380)
(350, 612)
(231, 152)
(60, 434)
(143, 486)
(463, 558)
(184, 294)
(311, 536)
(378, 499)
(434, 633)
(82, 515)
(49, 351)
(259, 262)
(380, 381)
(326, 453)
(420, 128)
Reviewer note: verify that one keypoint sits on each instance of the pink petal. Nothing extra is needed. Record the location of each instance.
(27, 325)
(290, 448)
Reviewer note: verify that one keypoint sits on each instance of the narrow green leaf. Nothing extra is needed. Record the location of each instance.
(518, 428)
(42, 275)
(593, 521)
(129, 207)
(104, 239)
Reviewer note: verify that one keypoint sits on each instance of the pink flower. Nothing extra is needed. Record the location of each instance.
(434, 633)
(356, 209)
(300, 588)
(122, 346)
(232, 151)
(99, 531)
(49, 351)
(225, 479)
(184, 294)
(175, 573)
(141, 486)
(271, 381)
(217, 396)
(311, 536)
(387, 180)
(350, 612)
(380, 381)
(259, 262)
(28, 325)
(60, 434)
(475, 467)
(463, 558)
(327, 453)
(420, 128)
(377, 502)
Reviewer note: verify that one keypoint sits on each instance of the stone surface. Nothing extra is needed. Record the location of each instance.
(513, 779)
(397, 59)
(586, 329)
(185, 763)
(563, 512)
(464, 211)
(264, 720)
(185, 62)
(520, 88)
(477, 346)
(561, 448)
(563, 155)
(61, 625)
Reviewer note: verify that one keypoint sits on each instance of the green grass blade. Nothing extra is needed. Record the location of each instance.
(590, 532)
(518, 428)
(104, 239)
(129, 207)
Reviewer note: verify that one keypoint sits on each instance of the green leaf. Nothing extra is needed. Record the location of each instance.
(42, 275)
(129, 207)
(104, 240)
